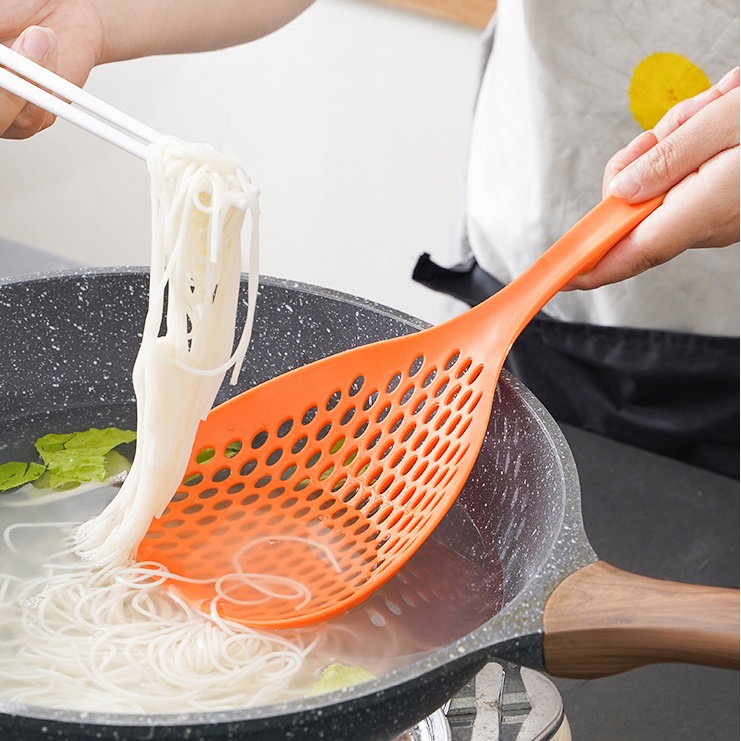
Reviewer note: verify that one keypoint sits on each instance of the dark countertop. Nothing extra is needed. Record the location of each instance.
(657, 517)
(643, 513)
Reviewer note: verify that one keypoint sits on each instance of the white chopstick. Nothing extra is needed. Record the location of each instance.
(106, 122)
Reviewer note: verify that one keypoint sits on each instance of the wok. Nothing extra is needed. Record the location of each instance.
(509, 573)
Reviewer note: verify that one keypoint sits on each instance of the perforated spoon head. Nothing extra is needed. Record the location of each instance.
(332, 476)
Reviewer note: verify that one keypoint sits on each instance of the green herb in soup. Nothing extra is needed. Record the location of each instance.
(16, 474)
(70, 459)
(339, 676)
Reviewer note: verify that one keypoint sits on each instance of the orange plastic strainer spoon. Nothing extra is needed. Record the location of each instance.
(305, 494)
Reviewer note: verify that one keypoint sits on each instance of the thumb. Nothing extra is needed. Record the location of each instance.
(19, 119)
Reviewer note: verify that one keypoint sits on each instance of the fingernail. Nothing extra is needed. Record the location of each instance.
(727, 77)
(625, 184)
(36, 43)
(642, 138)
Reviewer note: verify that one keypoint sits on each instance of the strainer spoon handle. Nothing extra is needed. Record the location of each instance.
(509, 311)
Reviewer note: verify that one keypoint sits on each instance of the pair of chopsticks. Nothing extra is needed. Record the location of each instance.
(72, 103)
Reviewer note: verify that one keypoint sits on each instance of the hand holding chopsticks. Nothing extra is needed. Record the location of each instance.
(38, 85)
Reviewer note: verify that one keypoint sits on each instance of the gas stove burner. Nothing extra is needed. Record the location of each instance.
(433, 728)
(504, 702)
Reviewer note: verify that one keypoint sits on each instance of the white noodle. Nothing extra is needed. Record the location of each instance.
(114, 638)
(8, 532)
(199, 200)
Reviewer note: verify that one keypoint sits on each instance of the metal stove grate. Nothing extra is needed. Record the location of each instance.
(502, 703)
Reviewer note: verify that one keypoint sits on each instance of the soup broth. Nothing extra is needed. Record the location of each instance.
(80, 637)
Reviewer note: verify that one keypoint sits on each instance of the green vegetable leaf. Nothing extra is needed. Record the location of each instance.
(338, 676)
(116, 463)
(78, 457)
(89, 442)
(16, 474)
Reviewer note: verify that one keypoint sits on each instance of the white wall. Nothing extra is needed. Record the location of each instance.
(352, 121)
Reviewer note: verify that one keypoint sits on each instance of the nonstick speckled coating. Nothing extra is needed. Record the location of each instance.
(67, 345)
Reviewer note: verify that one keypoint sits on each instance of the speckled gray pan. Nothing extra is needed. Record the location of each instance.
(477, 590)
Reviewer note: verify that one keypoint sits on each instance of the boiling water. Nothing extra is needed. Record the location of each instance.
(449, 588)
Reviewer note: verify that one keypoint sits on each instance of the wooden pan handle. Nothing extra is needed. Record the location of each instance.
(601, 620)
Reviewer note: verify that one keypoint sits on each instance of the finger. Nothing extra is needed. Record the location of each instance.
(729, 81)
(684, 110)
(710, 131)
(640, 145)
(18, 118)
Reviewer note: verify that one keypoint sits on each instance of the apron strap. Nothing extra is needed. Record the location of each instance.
(674, 393)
